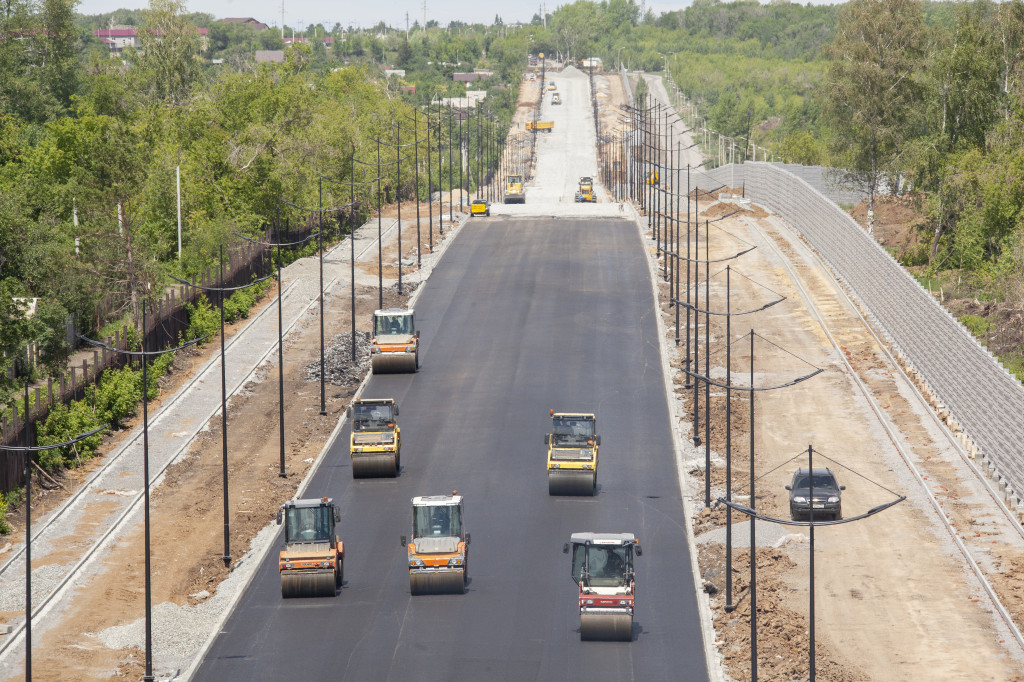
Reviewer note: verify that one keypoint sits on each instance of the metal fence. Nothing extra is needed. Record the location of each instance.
(981, 395)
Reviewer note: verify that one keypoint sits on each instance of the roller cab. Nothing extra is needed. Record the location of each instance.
(312, 562)
(438, 549)
(602, 568)
(572, 454)
(376, 444)
(514, 192)
(395, 344)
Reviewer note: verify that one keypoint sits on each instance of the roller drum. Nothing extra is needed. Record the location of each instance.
(606, 627)
(308, 584)
(394, 363)
(384, 465)
(570, 482)
(448, 582)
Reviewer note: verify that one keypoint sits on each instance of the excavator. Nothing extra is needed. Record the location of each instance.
(395, 344)
(312, 561)
(376, 445)
(572, 453)
(602, 568)
(439, 546)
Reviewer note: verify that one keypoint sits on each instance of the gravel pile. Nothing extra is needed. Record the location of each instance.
(338, 366)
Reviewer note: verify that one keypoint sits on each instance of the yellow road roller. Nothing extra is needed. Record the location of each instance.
(376, 444)
(395, 345)
(572, 453)
(439, 547)
(312, 562)
(602, 567)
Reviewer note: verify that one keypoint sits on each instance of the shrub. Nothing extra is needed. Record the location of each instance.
(203, 320)
(978, 325)
(5, 527)
(117, 397)
(62, 424)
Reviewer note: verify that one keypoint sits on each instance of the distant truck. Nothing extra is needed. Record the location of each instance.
(540, 126)
(591, 61)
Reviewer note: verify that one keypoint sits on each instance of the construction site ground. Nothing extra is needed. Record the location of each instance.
(99, 632)
(894, 598)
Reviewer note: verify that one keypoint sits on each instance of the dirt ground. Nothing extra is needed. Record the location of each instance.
(187, 528)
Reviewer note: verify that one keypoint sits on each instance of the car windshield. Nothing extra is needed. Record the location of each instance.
(437, 521)
(515, 179)
(308, 524)
(820, 481)
(392, 324)
(571, 432)
(372, 417)
(600, 566)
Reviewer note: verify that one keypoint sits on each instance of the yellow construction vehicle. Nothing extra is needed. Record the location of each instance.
(540, 126)
(572, 454)
(652, 179)
(439, 547)
(395, 345)
(602, 567)
(585, 193)
(376, 446)
(514, 192)
(312, 562)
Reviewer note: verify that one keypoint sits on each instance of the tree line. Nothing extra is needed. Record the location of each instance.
(90, 149)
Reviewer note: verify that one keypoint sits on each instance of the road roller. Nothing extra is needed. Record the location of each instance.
(395, 344)
(376, 445)
(602, 567)
(572, 454)
(312, 561)
(439, 547)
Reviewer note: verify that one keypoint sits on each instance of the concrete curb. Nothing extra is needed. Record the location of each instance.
(713, 658)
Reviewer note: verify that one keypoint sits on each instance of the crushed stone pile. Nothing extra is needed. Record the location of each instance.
(338, 366)
(573, 72)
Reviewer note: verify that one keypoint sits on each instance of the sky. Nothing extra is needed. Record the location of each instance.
(301, 13)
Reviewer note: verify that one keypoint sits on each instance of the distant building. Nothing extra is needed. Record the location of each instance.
(395, 72)
(466, 77)
(272, 56)
(127, 36)
(255, 23)
(326, 40)
(408, 88)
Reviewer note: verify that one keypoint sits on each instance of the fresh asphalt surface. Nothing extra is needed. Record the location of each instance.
(520, 316)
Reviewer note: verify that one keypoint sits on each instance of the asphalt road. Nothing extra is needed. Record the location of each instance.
(520, 316)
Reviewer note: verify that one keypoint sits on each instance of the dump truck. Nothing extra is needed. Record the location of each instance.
(540, 126)
(312, 561)
(602, 568)
(395, 344)
(376, 446)
(585, 193)
(514, 192)
(438, 548)
(572, 453)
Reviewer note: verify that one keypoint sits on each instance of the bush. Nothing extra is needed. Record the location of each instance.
(117, 397)
(62, 424)
(978, 325)
(5, 527)
(237, 307)
(203, 320)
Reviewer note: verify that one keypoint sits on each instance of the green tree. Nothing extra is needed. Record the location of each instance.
(168, 58)
(871, 91)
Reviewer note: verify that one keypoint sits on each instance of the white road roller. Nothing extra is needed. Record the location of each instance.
(439, 547)
(395, 344)
(602, 567)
